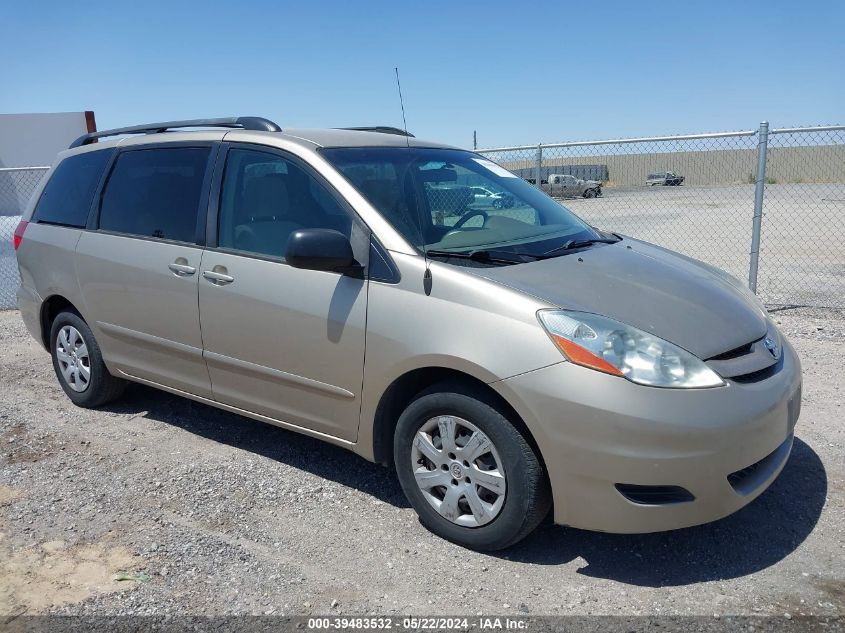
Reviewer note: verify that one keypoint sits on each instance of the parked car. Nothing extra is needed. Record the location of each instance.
(567, 186)
(666, 178)
(529, 365)
(496, 199)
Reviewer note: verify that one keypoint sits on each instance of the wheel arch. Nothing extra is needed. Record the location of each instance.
(50, 309)
(404, 389)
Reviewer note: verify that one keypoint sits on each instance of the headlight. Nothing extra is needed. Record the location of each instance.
(606, 345)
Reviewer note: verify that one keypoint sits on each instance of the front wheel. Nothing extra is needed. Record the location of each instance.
(467, 470)
(590, 193)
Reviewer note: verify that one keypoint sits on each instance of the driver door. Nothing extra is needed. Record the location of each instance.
(279, 341)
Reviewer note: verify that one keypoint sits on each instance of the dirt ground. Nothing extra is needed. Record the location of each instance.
(205, 512)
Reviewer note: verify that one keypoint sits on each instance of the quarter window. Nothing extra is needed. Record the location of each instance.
(66, 199)
(155, 193)
(265, 198)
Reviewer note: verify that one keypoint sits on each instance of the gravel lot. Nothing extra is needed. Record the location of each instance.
(222, 515)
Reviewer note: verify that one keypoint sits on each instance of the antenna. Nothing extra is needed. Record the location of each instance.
(427, 274)
(402, 104)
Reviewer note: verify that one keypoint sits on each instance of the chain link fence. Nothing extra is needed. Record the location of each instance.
(16, 187)
(766, 205)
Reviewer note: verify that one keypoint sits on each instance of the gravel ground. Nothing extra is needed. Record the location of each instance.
(212, 513)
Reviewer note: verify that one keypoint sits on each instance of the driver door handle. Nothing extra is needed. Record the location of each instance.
(218, 279)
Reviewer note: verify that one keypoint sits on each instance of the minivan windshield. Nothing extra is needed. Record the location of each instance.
(454, 201)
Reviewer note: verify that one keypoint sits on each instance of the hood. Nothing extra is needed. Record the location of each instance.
(653, 289)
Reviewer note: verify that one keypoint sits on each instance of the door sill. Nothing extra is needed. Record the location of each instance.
(331, 439)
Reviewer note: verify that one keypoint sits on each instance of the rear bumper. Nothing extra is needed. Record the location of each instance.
(596, 431)
(29, 304)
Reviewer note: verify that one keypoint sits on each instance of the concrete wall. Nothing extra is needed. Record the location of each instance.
(30, 140)
(820, 163)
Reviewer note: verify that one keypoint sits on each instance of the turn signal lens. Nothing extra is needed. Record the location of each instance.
(19, 233)
(582, 356)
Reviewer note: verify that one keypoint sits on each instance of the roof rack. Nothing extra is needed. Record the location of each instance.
(383, 129)
(241, 122)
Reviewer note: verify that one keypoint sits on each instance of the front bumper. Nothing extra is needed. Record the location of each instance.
(595, 431)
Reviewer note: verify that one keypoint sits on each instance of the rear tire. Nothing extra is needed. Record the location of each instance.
(78, 363)
(451, 435)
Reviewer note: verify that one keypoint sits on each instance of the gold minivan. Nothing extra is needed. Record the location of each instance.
(508, 360)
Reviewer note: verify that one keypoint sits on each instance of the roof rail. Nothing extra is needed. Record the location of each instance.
(383, 129)
(241, 122)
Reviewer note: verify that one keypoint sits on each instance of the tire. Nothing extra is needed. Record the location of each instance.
(590, 193)
(75, 353)
(498, 204)
(519, 497)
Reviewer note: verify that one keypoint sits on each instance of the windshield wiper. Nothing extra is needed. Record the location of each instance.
(480, 255)
(570, 245)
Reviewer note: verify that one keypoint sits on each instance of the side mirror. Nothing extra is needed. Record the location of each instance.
(321, 249)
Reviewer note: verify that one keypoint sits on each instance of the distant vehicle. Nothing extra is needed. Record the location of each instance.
(666, 178)
(498, 200)
(568, 186)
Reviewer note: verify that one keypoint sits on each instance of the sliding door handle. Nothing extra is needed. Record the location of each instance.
(216, 278)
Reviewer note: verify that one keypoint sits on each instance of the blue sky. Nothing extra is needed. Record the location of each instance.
(516, 72)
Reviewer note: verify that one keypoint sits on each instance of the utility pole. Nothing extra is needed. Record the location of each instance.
(474, 140)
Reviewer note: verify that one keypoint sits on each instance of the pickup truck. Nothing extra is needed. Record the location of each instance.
(567, 186)
(666, 178)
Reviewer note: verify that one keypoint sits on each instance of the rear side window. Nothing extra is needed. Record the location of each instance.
(67, 197)
(155, 193)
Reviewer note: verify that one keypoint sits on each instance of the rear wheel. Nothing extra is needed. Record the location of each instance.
(467, 470)
(79, 364)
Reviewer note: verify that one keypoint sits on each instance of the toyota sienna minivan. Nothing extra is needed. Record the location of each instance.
(509, 362)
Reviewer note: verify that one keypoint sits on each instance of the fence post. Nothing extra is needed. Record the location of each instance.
(762, 145)
(539, 167)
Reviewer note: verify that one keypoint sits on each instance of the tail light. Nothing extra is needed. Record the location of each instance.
(19, 233)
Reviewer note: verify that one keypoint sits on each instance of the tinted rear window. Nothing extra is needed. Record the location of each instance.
(155, 193)
(67, 197)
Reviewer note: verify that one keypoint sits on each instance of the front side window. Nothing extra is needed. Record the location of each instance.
(155, 193)
(266, 197)
(457, 201)
(67, 198)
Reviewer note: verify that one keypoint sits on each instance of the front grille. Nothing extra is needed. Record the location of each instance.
(737, 478)
(654, 495)
(757, 376)
(742, 350)
(747, 363)
(748, 479)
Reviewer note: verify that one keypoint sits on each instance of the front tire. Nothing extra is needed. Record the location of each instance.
(79, 364)
(469, 473)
